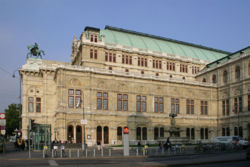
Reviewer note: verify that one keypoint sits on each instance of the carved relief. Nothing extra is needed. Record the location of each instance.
(123, 87)
(75, 82)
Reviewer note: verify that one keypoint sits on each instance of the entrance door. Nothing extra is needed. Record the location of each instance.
(99, 135)
(78, 134)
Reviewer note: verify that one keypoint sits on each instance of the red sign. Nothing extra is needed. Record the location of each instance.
(126, 130)
(2, 115)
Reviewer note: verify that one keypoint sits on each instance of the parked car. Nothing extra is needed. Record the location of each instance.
(248, 154)
(236, 140)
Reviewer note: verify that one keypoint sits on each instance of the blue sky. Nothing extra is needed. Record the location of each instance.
(223, 24)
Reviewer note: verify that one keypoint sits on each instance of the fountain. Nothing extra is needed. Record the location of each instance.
(175, 131)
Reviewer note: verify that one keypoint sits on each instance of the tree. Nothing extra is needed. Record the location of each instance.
(12, 117)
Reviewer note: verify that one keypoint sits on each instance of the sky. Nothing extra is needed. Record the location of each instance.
(223, 24)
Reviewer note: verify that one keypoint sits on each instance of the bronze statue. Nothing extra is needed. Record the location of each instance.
(34, 51)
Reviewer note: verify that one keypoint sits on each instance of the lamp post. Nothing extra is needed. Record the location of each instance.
(55, 133)
(20, 89)
(83, 122)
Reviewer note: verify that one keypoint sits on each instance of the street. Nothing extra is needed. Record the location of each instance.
(155, 162)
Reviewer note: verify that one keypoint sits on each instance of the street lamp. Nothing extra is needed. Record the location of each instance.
(83, 122)
(55, 133)
(20, 82)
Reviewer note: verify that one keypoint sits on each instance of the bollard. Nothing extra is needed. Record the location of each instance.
(94, 152)
(43, 153)
(110, 152)
(137, 152)
(86, 152)
(102, 152)
(69, 153)
(78, 155)
(52, 153)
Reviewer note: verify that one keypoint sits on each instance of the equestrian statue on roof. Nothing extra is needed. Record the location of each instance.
(34, 51)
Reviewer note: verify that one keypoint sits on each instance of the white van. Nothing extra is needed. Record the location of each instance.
(231, 140)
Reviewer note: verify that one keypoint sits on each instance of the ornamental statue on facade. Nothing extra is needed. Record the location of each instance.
(34, 51)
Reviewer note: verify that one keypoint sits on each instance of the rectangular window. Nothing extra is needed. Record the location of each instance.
(78, 99)
(204, 110)
(95, 54)
(74, 98)
(190, 106)
(95, 38)
(223, 107)
(91, 38)
(106, 56)
(123, 59)
(240, 104)
(159, 104)
(130, 60)
(235, 105)
(102, 100)
(91, 53)
(31, 104)
(183, 68)
(122, 102)
(141, 103)
(175, 106)
(71, 98)
(171, 66)
(227, 106)
(38, 104)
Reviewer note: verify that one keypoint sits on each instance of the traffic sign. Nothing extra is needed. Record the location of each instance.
(2, 122)
(2, 116)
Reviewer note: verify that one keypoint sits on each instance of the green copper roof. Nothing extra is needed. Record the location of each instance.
(230, 56)
(159, 44)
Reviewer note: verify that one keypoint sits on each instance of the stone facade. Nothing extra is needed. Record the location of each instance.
(104, 78)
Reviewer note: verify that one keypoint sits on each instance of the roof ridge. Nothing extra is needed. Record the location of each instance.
(166, 39)
(226, 57)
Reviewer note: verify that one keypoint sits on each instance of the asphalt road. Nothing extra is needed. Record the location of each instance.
(114, 163)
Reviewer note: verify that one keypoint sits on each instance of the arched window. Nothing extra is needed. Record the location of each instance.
(138, 133)
(70, 133)
(156, 133)
(206, 133)
(237, 72)
(106, 135)
(161, 132)
(119, 133)
(204, 80)
(214, 79)
(144, 133)
(192, 133)
(202, 133)
(225, 77)
(99, 135)
(188, 133)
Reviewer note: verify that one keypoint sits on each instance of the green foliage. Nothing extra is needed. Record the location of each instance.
(12, 117)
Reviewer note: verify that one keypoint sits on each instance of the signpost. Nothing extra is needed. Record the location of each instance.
(126, 141)
(2, 123)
